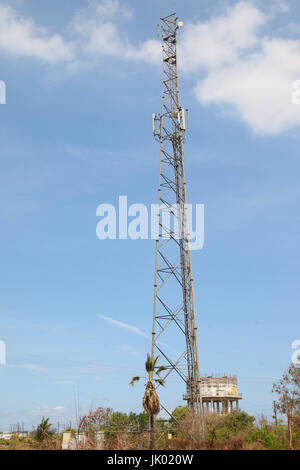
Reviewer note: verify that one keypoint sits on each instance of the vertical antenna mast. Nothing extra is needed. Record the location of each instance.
(174, 311)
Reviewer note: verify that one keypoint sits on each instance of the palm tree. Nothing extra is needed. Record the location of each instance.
(151, 401)
(43, 430)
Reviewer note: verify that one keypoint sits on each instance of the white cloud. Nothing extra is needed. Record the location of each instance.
(101, 12)
(64, 382)
(294, 28)
(6, 413)
(125, 326)
(250, 73)
(127, 349)
(258, 86)
(95, 30)
(220, 41)
(148, 51)
(35, 368)
(235, 65)
(21, 36)
(100, 34)
(94, 369)
(280, 6)
(57, 411)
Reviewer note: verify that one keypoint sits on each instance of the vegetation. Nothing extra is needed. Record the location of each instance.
(288, 391)
(235, 431)
(151, 401)
(44, 430)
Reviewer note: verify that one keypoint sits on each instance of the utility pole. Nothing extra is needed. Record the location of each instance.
(275, 412)
(174, 311)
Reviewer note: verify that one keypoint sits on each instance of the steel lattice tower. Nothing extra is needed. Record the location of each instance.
(174, 311)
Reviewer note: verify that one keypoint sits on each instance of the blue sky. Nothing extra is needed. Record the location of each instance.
(76, 132)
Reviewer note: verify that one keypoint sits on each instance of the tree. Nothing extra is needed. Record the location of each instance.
(219, 427)
(118, 421)
(288, 390)
(95, 420)
(213, 423)
(180, 412)
(43, 430)
(179, 415)
(151, 401)
(139, 421)
(235, 422)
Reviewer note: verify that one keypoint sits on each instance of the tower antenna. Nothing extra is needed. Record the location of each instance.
(174, 309)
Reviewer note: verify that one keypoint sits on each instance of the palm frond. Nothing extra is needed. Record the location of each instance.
(149, 365)
(160, 382)
(155, 360)
(133, 380)
(161, 369)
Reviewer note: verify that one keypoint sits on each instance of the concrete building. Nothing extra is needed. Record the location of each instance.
(8, 435)
(220, 394)
(78, 440)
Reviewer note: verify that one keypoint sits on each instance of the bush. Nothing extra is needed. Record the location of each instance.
(270, 437)
(4, 442)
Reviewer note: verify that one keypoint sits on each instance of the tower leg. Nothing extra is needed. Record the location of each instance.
(227, 406)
